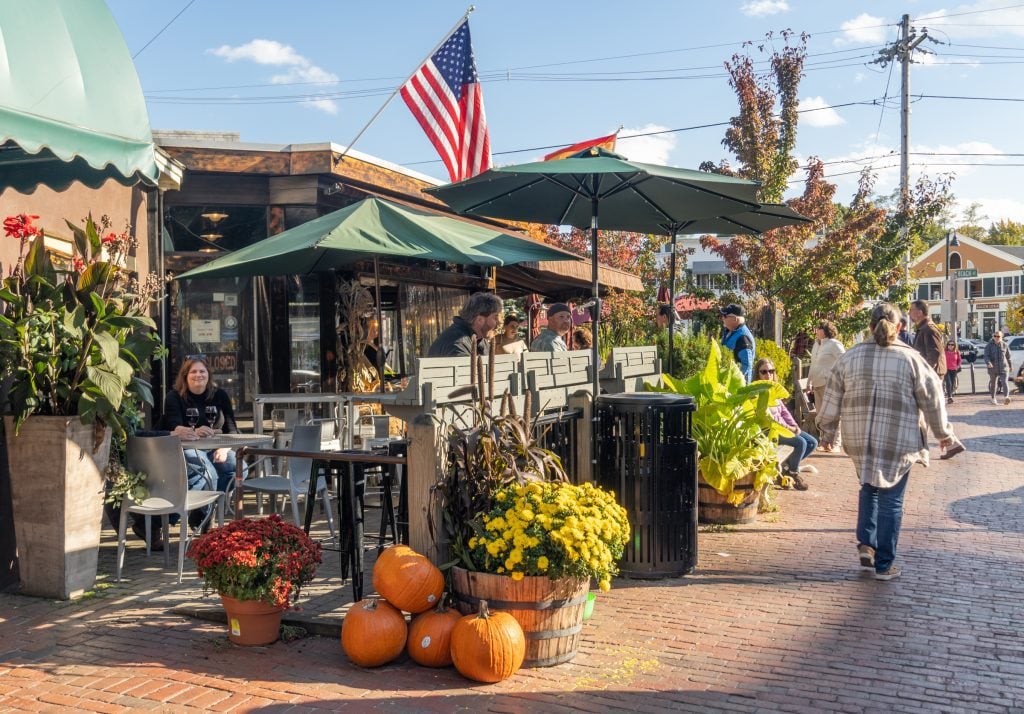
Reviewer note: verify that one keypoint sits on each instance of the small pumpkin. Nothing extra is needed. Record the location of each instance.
(488, 646)
(430, 636)
(407, 580)
(373, 633)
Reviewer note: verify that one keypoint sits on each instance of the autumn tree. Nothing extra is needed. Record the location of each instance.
(1005, 232)
(848, 253)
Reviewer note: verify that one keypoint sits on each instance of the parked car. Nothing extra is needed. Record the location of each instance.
(968, 350)
(1016, 344)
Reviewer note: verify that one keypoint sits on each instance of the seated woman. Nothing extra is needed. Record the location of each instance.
(196, 408)
(1019, 379)
(802, 442)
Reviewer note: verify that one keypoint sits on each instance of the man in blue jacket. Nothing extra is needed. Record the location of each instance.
(737, 338)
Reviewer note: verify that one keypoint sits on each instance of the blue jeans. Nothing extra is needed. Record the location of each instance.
(203, 474)
(878, 520)
(803, 444)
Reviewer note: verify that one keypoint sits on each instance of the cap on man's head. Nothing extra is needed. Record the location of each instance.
(558, 307)
(732, 309)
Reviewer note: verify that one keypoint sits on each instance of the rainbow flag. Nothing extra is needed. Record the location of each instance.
(604, 142)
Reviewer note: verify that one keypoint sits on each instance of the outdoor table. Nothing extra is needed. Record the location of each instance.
(227, 441)
(351, 522)
(259, 400)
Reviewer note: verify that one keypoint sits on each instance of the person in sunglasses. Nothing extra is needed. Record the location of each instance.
(802, 442)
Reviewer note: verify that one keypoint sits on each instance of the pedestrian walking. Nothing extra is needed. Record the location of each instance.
(954, 361)
(884, 396)
(997, 359)
(928, 339)
(802, 442)
(824, 354)
(737, 338)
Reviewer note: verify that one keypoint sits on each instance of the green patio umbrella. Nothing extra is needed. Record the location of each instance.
(600, 189)
(764, 218)
(377, 227)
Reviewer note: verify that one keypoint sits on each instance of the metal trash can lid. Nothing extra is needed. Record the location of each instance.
(653, 399)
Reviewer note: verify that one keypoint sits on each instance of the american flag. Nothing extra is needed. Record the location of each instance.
(445, 97)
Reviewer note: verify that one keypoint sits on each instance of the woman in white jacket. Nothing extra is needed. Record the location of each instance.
(825, 352)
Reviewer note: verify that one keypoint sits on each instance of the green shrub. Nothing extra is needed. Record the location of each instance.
(691, 353)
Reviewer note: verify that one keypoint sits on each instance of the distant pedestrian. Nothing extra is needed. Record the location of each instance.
(802, 442)
(997, 359)
(928, 339)
(736, 337)
(824, 354)
(884, 396)
(905, 336)
(953, 362)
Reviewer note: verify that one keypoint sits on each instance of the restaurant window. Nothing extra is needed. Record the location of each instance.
(426, 311)
(213, 229)
(934, 291)
(304, 333)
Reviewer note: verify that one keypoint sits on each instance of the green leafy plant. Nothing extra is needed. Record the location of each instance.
(75, 334)
(735, 434)
(124, 483)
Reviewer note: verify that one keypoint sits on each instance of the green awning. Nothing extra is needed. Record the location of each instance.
(71, 106)
(377, 227)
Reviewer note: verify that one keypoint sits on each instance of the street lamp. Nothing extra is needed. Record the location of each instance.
(951, 240)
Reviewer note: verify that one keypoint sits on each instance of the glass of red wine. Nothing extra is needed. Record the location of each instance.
(211, 416)
(192, 416)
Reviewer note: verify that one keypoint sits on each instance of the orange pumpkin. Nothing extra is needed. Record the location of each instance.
(373, 633)
(488, 646)
(407, 580)
(430, 636)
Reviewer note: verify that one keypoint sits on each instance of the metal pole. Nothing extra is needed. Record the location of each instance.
(380, 326)
(595, 292)
(469, 11)
(672, 303)
(904, 204)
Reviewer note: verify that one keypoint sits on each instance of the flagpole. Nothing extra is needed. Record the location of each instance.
(457, 25)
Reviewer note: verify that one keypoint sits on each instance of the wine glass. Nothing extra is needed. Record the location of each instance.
(192, 416)
(211, 416)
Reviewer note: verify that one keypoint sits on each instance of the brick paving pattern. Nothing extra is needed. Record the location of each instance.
(778, 617)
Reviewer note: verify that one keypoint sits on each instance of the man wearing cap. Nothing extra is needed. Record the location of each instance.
(738, 339)
(550, 338)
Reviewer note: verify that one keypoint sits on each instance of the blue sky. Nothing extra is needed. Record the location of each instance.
(560, 72)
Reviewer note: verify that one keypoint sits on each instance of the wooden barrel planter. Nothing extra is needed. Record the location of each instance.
(713, 508)
(549, 611)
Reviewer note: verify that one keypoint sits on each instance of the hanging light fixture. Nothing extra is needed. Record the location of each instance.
(211, 236)
(214, 217)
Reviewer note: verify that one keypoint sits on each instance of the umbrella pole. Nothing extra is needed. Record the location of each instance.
(672, 302)
(380, 325)
(595, 360)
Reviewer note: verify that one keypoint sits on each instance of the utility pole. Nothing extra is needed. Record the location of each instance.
(901, 51)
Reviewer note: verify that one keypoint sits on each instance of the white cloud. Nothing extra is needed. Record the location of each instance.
(995, 209)
(821, 116)
(984, 18)
(274, 53)
(646, 149)
(863, 29)
(763, 8)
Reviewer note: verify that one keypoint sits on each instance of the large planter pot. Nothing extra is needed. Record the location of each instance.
(252, 622)
(57, 499)
(549, 611)
(713, 508)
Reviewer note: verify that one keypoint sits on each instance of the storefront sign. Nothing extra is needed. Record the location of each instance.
(987, 306)
(223, 362)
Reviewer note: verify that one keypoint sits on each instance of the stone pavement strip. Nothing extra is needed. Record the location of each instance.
(777, 617)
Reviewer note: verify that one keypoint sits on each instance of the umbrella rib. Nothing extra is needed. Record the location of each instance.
(717, 194)
(473, 207)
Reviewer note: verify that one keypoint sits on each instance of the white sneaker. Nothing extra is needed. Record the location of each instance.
(994, 401)
(808, 469)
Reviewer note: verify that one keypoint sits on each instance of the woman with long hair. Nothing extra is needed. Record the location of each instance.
(802, 442)
(883, 394)
(825, 352)
(953, 362)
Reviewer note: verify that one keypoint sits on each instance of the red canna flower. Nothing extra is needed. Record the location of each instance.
(20, 226)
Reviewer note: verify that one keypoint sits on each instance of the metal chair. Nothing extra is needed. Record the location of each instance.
(163, 461)
(305, 437)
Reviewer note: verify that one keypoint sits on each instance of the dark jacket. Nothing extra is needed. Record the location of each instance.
(998, 355)
(175, 406)
(930, 344)
(457, 341)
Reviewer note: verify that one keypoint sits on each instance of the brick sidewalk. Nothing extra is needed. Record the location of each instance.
(777, 618)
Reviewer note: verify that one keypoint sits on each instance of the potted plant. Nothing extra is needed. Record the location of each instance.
(75, 335)
(258, 567)
(736, 437)
(519, 532)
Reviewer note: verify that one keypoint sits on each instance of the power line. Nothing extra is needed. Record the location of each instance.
(968, 12)
(169, 23)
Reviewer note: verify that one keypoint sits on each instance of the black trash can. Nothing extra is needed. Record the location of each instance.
(646, 456)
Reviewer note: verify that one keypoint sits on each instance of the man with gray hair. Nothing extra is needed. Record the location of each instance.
(479, 317)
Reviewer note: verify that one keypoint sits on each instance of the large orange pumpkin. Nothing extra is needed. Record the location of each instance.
(373, 633)
(407, 580)
(488, 646)
(430, 636)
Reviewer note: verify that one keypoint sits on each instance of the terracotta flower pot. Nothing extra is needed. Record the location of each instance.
(252, 622)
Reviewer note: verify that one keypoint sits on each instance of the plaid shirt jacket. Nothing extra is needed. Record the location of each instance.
(886, 398)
